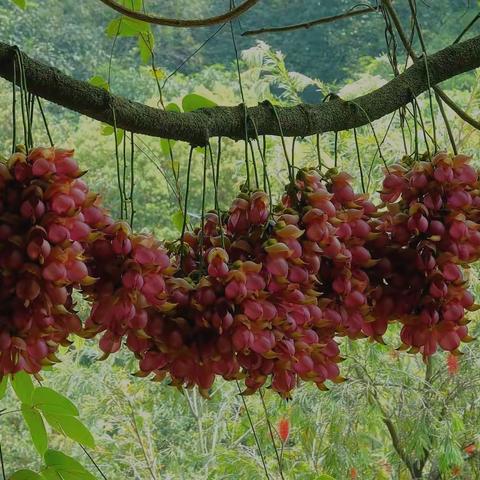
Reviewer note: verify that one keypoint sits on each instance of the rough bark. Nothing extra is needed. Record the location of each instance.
(197, 127)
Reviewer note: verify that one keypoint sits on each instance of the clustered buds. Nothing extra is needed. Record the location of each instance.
(252, 294)
(428, 236)
(43, 234)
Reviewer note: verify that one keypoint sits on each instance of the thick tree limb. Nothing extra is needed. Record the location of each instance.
(312, 23)
(182, 23)
(197, 127)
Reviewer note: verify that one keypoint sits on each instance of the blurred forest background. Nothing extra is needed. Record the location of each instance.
(393, 409)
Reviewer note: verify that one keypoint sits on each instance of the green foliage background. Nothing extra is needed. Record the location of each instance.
(145, 430)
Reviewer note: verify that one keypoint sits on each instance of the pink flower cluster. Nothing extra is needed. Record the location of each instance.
(43, 234)
(251, 295)
(428, 232)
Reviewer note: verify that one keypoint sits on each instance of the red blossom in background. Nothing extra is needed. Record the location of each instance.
(283, 428)
(470, 449)
(452, 364)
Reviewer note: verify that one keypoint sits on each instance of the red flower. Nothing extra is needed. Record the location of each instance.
(284, 429)
(470, 449)
(452, 364)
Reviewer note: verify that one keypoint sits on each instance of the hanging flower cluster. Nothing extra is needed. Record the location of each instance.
(43, 234)
(428, 232)
(252, 294)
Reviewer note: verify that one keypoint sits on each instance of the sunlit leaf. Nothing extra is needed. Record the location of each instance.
(71, 427)
(99, 81)
(108, 130)
(135, 5)
(158, 73)
(172, 107)
(68, 467)
(23, 386)
(193, 101)
(146, 42)
(126, 27)
(50, 401)
(20, 3)
(178, 219)
(35, 424)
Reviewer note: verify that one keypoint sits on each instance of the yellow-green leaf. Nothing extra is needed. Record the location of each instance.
(166, 145)
(50, 401)
(23, 386)
(135, 5)
(126, 27)
(99, 81)
(20, 3)
(35, 424)
(178, 219)
(109, 130)
(66, 466)
(158, 73)
(172, 107)
(193, 101)
(146, 42)
(71, 427)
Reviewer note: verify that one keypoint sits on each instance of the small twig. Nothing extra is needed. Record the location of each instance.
(311, 23)
(461, 113)
(467, 28)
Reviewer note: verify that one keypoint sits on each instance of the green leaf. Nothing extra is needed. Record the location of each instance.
(23, 386)
(166, 145)
(3, 386)
(50, 401)
(324, 476)
(146, 43)
(108, 130)
(172, 107)
(69, 468)
(20, 3)
(194, 101)
(35, 424)
(126, 27)
(25, 475)
(135, 5)
(71, 427)
(99, 81)
(178, 219)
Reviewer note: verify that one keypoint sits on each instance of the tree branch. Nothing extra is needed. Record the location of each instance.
(198, 126)
(320, 21)
(408, 47)
(187, 23)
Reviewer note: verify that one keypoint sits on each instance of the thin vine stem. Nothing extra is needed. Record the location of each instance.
(253, 431)
(187, 190)
(2, 463)
(357, 148)
(93, 461)
(270, 430)
(45, 123)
